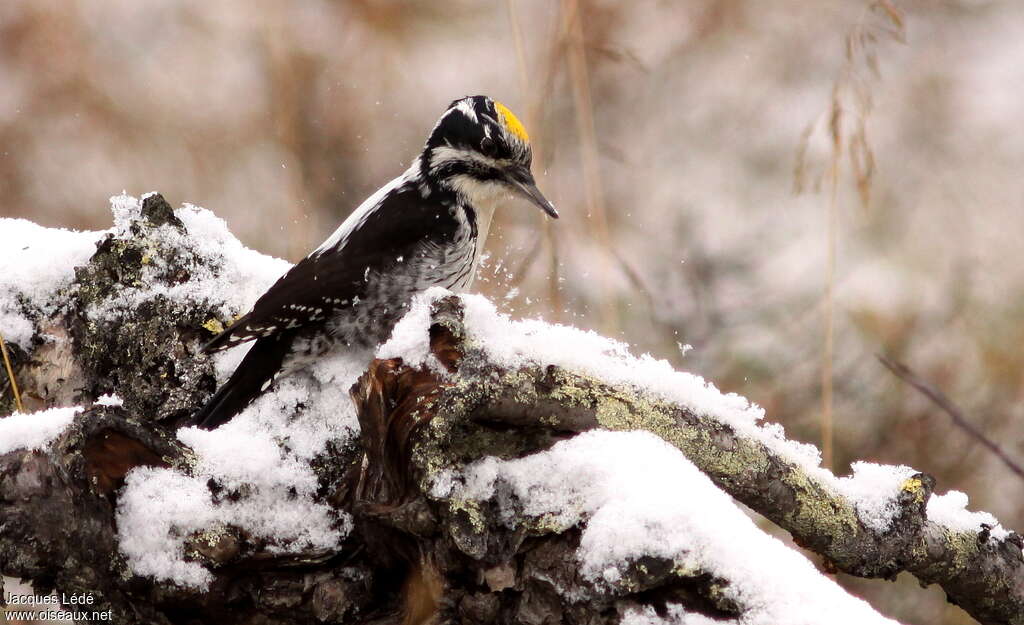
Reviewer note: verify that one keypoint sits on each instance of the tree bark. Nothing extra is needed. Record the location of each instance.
(540, 405)
(414, 556)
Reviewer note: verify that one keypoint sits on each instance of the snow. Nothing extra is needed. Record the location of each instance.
(35, 263)
(223, 273)
(950, 510)
(159, 506)
(262, 455)
(110, 399)
(410, 339)
(34, 430)
(635, 495)
(674, 615)
(873, 488)
(515, 344)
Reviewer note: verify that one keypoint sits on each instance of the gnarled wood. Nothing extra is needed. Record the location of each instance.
(983, 575)
(413, 555)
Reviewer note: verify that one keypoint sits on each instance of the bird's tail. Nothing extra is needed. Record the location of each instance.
(249, 380)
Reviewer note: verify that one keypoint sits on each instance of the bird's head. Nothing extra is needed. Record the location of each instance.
(479, 148)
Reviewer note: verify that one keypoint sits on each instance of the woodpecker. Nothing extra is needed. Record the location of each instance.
(425, 228)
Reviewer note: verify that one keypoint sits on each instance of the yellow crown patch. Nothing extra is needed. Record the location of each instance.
(511, 123)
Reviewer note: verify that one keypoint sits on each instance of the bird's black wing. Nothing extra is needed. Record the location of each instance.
(400, 225)
(255, 373)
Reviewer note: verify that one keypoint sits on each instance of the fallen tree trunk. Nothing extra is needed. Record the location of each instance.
(417, 543)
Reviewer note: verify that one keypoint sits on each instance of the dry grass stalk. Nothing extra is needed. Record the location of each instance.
(881, 20)
(290, 75)
(828, 349)
(534, 99)
(10, 375)
(517, 40)
(596, 210)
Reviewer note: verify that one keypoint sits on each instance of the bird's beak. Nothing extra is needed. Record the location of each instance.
(524, 184)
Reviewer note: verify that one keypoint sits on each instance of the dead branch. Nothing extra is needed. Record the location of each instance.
(940, 399)
(542, 405)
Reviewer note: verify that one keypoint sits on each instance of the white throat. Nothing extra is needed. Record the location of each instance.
(484, 197)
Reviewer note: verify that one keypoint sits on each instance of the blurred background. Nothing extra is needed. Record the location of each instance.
(766, 194)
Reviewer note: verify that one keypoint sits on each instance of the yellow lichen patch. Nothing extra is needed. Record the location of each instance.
(550, 524)
(511, 122)
(916, 486)
(471, 508)
(214, 325)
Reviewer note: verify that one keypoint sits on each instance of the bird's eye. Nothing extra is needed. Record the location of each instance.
(488, 147)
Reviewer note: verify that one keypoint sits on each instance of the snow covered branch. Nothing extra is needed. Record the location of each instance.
(482, 470)
(877, 523)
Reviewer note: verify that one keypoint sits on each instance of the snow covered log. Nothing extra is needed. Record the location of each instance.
(488, 470)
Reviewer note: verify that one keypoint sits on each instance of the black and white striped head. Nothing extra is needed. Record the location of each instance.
(479, 147)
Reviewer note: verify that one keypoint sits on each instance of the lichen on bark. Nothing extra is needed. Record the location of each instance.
(148, 356)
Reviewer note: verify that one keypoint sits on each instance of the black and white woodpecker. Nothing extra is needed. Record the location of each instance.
(425, 228)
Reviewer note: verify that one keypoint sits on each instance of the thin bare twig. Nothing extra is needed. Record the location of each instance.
(939, 398)
(10, 375)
